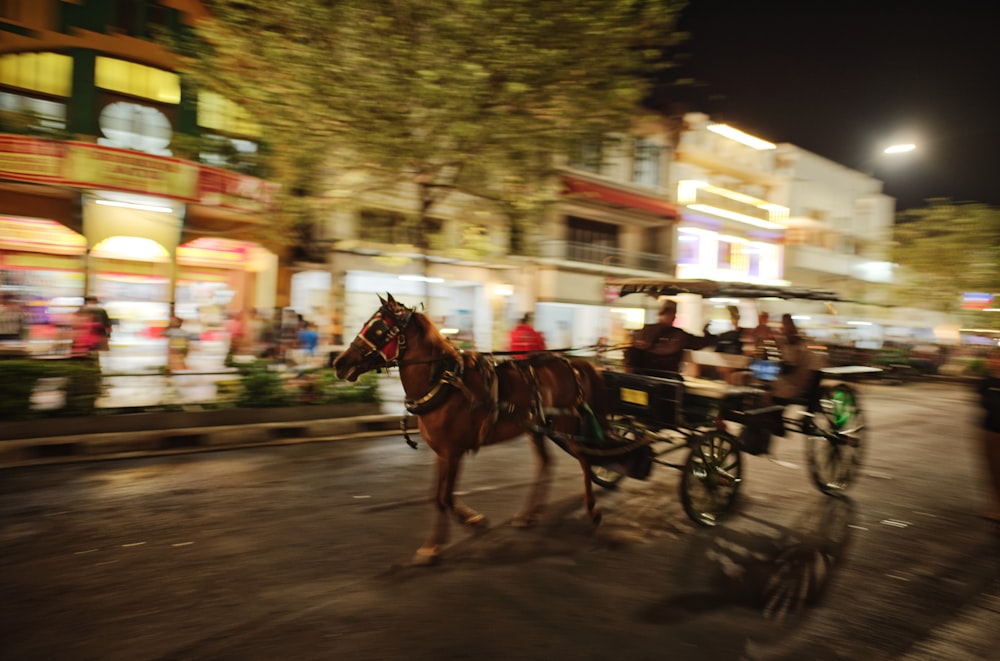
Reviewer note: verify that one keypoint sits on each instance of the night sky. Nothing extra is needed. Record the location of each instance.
(843, 79)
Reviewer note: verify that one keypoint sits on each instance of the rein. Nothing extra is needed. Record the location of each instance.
(384, 334)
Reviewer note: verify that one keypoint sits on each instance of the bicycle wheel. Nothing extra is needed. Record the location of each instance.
(711, 477)
(835, 439)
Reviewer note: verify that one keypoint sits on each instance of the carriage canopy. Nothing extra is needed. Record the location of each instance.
(715, 289)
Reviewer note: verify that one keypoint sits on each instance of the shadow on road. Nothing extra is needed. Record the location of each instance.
(776, 570)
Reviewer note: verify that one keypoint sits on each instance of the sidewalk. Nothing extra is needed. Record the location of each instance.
(53, 441)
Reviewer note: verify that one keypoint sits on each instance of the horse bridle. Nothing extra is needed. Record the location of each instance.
(383, 334)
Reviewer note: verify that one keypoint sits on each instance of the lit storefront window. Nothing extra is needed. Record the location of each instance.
(706, 254)
(137, 80)
(47, 73)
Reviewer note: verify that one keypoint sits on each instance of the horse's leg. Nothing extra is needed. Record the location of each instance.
(539, 494)
(588, 493)
(447, 471)
(462, 512)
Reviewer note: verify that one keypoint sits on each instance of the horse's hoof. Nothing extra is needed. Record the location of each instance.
(476, 521)
(523, 521)
(426, 556)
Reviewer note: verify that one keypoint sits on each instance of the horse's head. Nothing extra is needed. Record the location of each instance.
(379, 344)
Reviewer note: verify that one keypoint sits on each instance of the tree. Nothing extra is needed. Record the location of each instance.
(473, 96)
(946, 249)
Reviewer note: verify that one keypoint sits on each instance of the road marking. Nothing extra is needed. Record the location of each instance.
(125, 546)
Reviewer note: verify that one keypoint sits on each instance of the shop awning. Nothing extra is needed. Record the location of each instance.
(618, 197)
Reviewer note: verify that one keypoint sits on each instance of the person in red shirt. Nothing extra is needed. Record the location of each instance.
(524, 338)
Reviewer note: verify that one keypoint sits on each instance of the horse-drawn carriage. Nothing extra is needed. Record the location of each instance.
(717, 423)
(612, 423)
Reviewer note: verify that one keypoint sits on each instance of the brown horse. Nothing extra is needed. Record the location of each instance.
(465, 400)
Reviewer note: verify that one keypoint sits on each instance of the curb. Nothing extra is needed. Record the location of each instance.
(130, 444)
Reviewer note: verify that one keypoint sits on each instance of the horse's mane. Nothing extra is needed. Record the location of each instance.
(430, 331)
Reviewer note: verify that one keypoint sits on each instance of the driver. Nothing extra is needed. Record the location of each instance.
(658, 348)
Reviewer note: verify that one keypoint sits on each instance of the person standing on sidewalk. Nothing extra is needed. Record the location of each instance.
(11, 319)
(102, 322)
(525, 338)
(178, 344)
(989, 392)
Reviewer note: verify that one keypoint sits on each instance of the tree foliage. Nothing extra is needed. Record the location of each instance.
(450, 95)
(945, 249)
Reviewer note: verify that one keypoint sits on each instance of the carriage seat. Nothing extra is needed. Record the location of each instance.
(654, 399)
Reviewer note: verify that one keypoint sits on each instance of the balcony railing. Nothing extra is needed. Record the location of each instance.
(729, 204)
(574, 251)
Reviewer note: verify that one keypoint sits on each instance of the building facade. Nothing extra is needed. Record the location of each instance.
(111, 172)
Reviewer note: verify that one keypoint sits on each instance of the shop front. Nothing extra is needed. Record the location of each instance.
(467, 303)
(149, 235)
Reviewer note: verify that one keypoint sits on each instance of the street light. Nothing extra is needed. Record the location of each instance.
(899, 149)
(868, 166)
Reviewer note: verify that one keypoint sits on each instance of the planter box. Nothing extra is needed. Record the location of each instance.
(161, 420)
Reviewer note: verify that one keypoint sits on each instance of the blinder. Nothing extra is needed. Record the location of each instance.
(383, 333)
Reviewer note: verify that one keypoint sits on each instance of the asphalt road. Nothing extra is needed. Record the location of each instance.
(303, 552)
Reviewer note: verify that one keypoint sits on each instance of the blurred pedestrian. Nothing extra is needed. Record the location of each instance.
(989, 392)
(308, 340)
(524, 337)
(178, 344)
(254, 333)
(11, 319)
(235, 328)
(85, 335)
(102, 321)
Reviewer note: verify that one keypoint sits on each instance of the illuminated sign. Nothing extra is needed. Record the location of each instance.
(84, 165)
(976, 301)
(36, 235)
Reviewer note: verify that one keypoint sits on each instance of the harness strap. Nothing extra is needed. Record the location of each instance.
(432, 398)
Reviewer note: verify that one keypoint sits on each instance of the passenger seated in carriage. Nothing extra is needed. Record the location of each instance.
(657, 349)
(800, 365)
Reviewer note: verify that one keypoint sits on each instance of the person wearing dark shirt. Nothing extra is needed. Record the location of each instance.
(102, 321)
(658, 348)
(731, 341)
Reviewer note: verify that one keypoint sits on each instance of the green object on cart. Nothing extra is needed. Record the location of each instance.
(842, 407)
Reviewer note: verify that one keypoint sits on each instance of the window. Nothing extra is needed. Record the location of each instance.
(688, 248)
(47, 73)
(220, 114)
(381, 226)
(588, 156)
(646, 163)
(25, 114)
(137, 80)
(127, 17)
(753, 260)
(129, 125)
(725, 254)
(590, 240)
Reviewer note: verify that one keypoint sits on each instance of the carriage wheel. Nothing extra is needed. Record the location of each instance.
(606, 477)
(711, 477)
(610, 478)
(836, 439)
